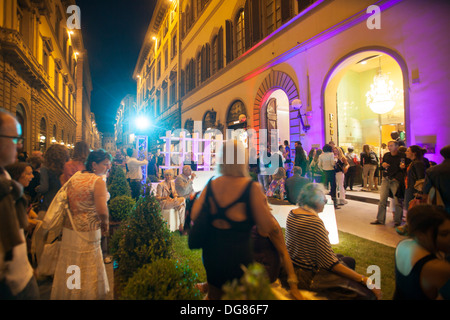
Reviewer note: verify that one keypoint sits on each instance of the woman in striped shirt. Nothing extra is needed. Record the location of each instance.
(308, 244)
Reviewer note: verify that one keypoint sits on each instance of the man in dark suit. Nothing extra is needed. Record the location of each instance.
(295, 184)
(439, 177)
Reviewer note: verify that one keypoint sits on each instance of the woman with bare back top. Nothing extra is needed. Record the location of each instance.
(237, 203)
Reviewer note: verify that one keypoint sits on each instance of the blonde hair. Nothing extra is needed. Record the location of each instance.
(340, 152)
(233, 159)
(169, 171)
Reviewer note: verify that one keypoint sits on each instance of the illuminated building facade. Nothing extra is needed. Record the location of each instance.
(44, 77)
(310, 69)
(124, 128)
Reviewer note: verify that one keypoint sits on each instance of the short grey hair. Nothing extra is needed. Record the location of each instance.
(312, 195)
(297, 170)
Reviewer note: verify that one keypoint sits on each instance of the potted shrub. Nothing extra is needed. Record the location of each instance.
(117, 183)
(141, 239)
(119, 209)
(163, 279)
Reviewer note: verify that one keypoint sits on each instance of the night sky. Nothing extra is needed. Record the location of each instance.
(113, 33)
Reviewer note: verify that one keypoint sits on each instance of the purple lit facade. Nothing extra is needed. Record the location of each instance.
(413, 33)
(304, 57)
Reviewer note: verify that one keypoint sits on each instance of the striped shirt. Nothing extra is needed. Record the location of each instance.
(308, 244)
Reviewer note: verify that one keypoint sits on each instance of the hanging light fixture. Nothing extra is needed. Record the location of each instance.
(382, 96)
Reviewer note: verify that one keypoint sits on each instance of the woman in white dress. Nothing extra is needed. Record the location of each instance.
(80, 272)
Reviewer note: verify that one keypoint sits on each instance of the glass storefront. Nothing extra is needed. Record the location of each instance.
(369, 101)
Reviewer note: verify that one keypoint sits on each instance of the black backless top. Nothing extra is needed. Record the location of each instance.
(408, 287)
(229, 248)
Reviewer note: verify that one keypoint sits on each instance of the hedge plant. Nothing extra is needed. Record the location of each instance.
(141, 239)
(163, 279)
(120, 207)
(117, 183)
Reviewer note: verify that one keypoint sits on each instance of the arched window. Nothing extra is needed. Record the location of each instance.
(189, 125)
(54, 133)
(43, 135)
(237, 115)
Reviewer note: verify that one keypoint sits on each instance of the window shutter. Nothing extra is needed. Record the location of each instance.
(229, 41)
(182, 83)
(256, 22)
(220, 49)
(247, 23)
(203, 64)
(285, 10)
(207, 61)
(191, 75)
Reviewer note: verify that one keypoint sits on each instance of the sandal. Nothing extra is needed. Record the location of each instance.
(402, 230)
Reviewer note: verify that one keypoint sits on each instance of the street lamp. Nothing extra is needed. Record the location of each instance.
(142, 123)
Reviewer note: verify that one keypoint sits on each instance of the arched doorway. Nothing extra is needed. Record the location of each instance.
(364, 101)
(273, 108)
(277, 116)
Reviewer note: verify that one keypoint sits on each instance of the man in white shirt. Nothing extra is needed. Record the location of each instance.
(135, 172)
(326, 163)
(17, 280)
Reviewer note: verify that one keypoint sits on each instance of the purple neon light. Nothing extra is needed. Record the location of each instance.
(321, 37)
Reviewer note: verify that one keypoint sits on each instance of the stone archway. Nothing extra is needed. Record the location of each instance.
(274, 81)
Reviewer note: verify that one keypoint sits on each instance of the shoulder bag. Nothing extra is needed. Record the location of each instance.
(46, 241)
(201, 228)
(335, 287)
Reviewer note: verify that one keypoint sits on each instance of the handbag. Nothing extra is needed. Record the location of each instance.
(49, 258)
(201, 228)
(435, 198)
(336, 287)
(46, 242)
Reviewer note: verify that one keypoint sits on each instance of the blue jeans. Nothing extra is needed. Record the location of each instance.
(386, 185)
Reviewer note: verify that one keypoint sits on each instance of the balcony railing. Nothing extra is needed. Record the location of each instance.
(20, 55)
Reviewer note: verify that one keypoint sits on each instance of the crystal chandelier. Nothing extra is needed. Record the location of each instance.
(382, 94)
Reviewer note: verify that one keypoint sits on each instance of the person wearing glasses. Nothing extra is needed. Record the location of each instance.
(17, 281)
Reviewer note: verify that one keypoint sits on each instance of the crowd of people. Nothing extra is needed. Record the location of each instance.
(29, 186)
(310, 261)
(240, 227)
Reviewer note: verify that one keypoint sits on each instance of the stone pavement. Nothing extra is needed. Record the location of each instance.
(355, 217)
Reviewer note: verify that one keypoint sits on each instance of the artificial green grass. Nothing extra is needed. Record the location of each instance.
(365, 252)
(369, 253)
